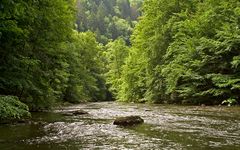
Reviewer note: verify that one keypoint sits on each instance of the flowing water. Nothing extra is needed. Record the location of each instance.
(165, 127)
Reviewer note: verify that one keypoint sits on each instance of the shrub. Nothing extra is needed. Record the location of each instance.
(12, 108)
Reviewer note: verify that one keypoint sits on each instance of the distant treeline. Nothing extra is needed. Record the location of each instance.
(109, 19)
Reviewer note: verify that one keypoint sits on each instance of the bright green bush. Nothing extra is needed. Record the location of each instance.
(12, 108)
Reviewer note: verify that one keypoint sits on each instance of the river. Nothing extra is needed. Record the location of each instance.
(165, 127)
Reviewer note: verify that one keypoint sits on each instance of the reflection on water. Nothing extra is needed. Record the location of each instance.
(165, 127)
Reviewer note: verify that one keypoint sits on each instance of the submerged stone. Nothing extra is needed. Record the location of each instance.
(128, 121)
(75, 112)
(79, 112)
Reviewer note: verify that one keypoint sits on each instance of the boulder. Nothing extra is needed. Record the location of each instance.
(79, 112)
(128, 121)
(75, 112)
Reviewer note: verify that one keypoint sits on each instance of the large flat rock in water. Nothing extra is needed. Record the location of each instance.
(128, 121)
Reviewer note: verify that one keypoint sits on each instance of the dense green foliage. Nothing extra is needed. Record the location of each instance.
(85, 80)
(31, 53)
(12, 108)
(109, 19)
(43, 60)
(184, 52)
(115, 55)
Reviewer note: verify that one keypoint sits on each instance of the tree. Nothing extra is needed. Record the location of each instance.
(116, 52)
(207, 44)
(109, 19)
(32, 34)
(184, 52)
(85, 81)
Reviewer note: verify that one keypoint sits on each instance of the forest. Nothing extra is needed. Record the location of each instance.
(153, 51)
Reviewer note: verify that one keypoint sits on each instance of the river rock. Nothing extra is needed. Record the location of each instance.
(75, 112)
(79, 112)
(128, 121)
